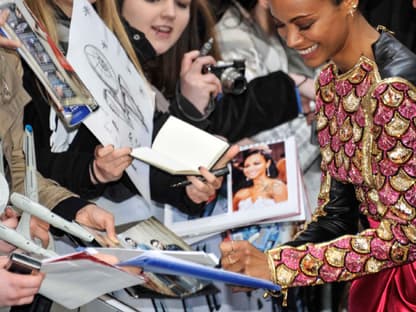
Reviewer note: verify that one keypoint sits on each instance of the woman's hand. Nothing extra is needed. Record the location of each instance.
(9, 219)
(100, 219)
(17, 289)
(242, 257)
(38, 228)
(196, 86)
(4, 42)
(109, 163)
(200, 191)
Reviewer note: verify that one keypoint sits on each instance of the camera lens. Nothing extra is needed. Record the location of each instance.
(233, 82)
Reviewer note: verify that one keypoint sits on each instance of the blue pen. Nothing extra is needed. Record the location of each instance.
(298, 101)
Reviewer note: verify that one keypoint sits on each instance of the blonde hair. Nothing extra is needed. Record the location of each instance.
(107, 10)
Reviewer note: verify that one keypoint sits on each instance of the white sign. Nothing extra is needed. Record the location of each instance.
(126, 102)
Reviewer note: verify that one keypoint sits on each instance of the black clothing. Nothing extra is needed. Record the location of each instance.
(398, 16)
(394, 59)
(268, 102)
(341, 216)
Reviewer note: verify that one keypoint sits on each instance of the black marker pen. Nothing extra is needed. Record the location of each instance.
(217, 172)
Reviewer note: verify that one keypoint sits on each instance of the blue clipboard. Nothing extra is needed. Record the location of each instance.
(154, 261)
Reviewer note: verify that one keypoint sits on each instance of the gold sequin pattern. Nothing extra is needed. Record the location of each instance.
(310, 265)
(373, 265)
(361, 244)
(351, 102)
(400, 154)
(399, 253)
(384, 230)
(402, 182)
(410, 232)
(403, 210)
(335, 256)
(284, 275)
(397, 126)
(392, 97)
(328, 93)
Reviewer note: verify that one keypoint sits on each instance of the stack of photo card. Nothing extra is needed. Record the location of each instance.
(149, 235)
(71, 99)
(265, 186)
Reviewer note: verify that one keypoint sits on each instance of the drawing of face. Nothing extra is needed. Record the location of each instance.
(318, 30)
(161, 21)
(255, 166)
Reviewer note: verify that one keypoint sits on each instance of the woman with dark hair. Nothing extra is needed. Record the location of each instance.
(366, 101)
(262, 188)
(174, 28)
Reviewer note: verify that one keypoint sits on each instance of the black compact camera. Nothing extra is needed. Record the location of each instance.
(231, 75)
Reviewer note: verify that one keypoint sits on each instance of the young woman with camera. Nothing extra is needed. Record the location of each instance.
(82, 164)
(177, 30)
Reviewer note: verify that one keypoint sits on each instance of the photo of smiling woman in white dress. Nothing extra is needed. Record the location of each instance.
(255, 178)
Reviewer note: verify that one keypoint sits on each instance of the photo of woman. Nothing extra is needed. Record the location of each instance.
(256, 182)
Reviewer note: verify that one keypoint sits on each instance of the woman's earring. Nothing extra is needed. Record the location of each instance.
(353, 9)
(268, 172)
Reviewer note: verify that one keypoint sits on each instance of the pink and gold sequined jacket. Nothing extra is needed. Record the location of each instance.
(367, 132)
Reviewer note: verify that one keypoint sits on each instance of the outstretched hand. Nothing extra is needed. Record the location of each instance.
(201, 191)
(242, 257)
(99, 219)
(110, 163)
(196, 86)
(17, 289)
(5, 42)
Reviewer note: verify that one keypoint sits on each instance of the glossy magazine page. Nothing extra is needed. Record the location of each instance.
(70, 98)
(275, 197)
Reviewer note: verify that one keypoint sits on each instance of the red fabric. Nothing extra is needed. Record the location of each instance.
(392, 290)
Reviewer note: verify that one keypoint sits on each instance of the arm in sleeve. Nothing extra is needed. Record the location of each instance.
(393, 241)
(268, 101)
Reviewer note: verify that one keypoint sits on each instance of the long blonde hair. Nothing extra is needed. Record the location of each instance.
(107, 10)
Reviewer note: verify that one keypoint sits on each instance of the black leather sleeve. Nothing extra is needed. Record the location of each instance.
(342, 216)
(268, 102)
(394, 59)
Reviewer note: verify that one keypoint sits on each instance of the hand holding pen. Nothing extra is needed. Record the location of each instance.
(216, 172)
(201, 190)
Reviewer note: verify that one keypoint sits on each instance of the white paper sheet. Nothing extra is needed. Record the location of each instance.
(77, 282)
(125, 99)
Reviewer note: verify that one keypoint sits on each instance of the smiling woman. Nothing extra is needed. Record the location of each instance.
(163, 22)
(365, 107)
(263, 188)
